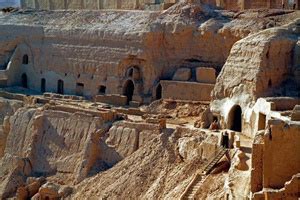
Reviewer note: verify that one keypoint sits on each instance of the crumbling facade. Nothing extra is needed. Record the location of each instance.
(114, 62)
(96, 4)
(155, 5)
(210, 97)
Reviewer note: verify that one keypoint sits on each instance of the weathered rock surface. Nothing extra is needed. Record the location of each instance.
(182, 74)
(125, 140)
(8, 108)
(50, 143)
(108, 43)
(156, 166)
(259, 64)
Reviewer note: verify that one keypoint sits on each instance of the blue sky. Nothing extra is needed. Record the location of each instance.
(5, 3)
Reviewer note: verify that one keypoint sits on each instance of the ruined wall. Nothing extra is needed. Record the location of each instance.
(75, 49)
(276, 157)
(183, 90)
(281, 164)
(87, 4)
(290, 191)
(253, 4)
(153, 5)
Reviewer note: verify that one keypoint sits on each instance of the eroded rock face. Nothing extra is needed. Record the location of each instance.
(109, 43)
(127, 137)
(151, 168)
(197, 147)
(8, 108)
(257, 65)
(48, 142)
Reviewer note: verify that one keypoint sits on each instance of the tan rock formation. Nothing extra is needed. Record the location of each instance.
(258, 66)
(158, 161)
(85, 148)
(152, 43)
(51, 142)
(269, 50)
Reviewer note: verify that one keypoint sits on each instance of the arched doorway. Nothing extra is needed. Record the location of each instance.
(24, 81)
(128, 90)
(158, 92)
(43, 85)
(60, 87)
(235, 118)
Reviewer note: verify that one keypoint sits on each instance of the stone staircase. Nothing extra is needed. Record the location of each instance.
(200, 178)
(193, 187)
(221, 152)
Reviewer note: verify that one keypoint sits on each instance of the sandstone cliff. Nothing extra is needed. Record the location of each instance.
(260, 64)
(96, 48)
(161, 169)
(50, 143)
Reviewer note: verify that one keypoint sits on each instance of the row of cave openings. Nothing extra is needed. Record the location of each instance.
(132, 75)
(128, 88)
(234, 116)
(60, 86)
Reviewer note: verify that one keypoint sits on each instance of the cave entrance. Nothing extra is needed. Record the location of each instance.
(43, 85)
(79, 89)
(235, 118)
(158, 92)
(60, 87)
(24, 81)
(128, 90)
(261, 121)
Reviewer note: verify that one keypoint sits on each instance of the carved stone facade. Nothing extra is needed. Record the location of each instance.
(154, 4)
(97, 4)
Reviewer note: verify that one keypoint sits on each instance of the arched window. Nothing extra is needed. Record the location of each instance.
(60, 87)
(25, 59)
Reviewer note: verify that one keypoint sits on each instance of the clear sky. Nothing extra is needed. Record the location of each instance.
(6, 3)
